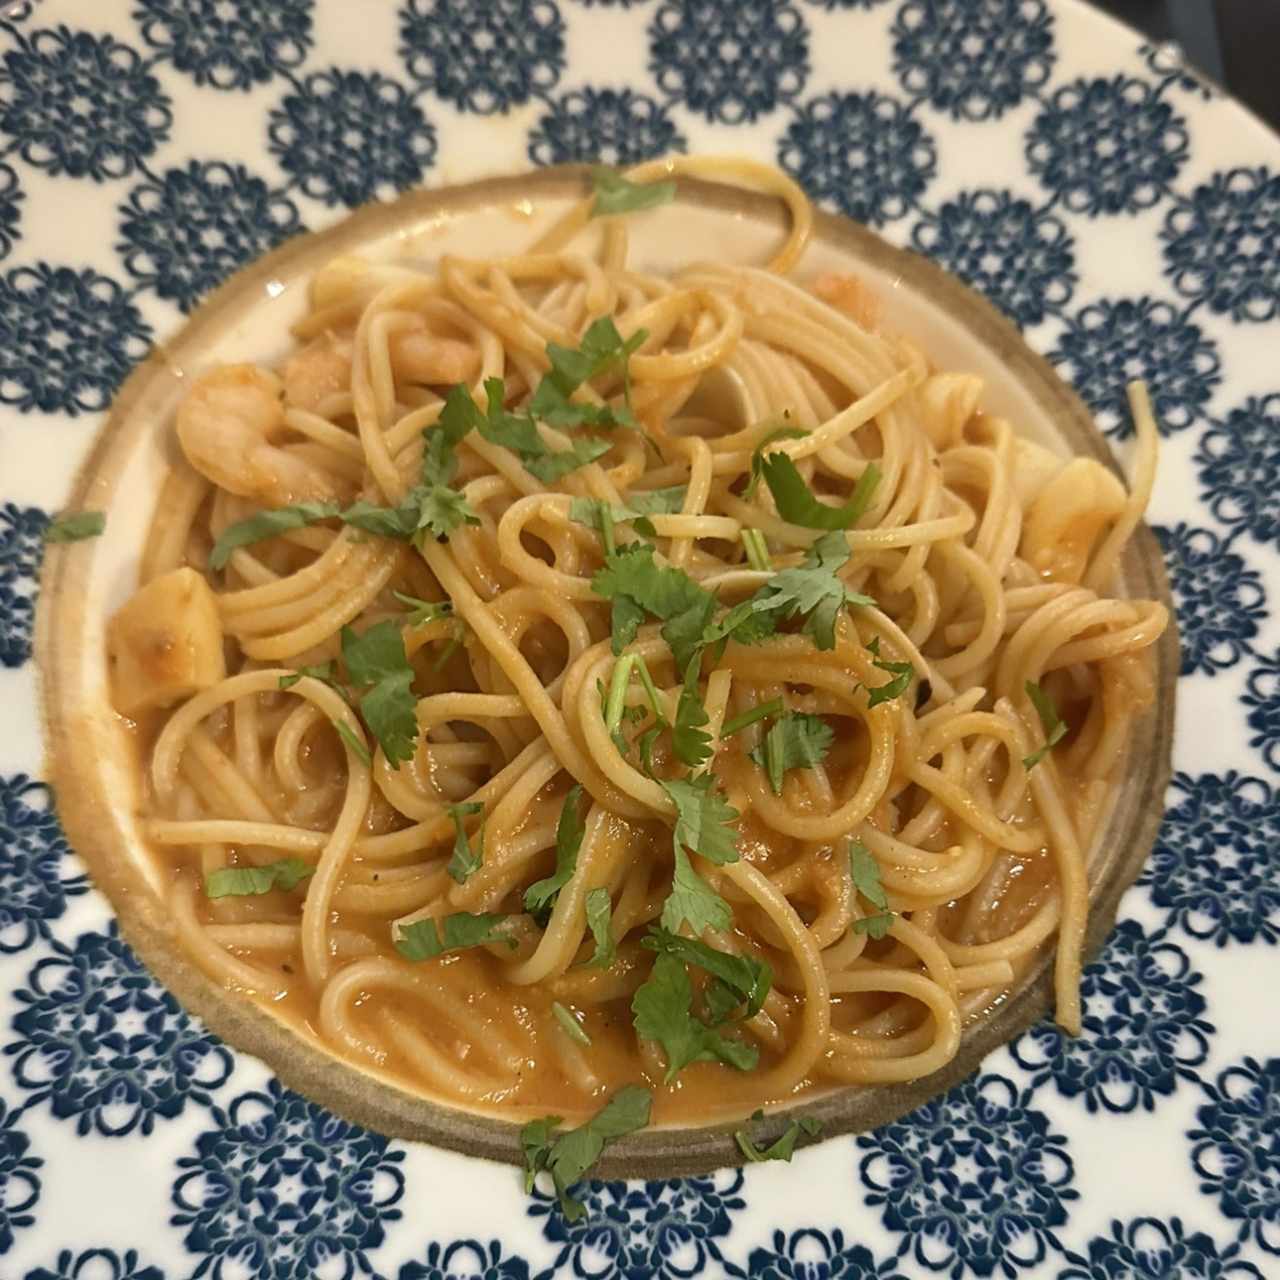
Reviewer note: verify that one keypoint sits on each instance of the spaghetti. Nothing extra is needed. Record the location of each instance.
(557, 675)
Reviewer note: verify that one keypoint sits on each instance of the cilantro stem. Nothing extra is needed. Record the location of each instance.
(447, 652)
(618, 692)
(571, 1026)
(650, 689)
(774, 707)
(757, 550)
(606, 529)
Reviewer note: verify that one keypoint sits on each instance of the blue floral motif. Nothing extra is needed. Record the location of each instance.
(611, 126)
(973, 59)
(846, 4)
(21, 549)
(1262, 696)
(19, 1183)
(348, 138)
(1107, 146)
(11, 198)
(97, 1264)
(103, 1042)
(67, 339)
(81, 104)
(466, 1260)
(1216, 863)
(1148, 1249)
(1235, 1153)
(1021, 258)
(812, 1255)
(283, 1190)
(861, 152)
(1109, 343)
(1220, 599)
(186, 231)
(644, 1230)
(974, 1179)
(1143, 1029)
(485, 58)
(729, 63)
(1239, 463)
(37, 875)
(1222, 245)
(228, 44)
(1170, 63)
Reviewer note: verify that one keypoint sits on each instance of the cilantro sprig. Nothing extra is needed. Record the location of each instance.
(784, 1146)
(75, 526)
(616, 194)
(901, 672)
(540, 897)
(796, 740)
(865, 871)
(465, 861)
(427, 939)
(568, 1157)
(376, 662)
(599, 907)
(602, 350)
(1055, 728)
(240, 882)
(689, 740)
(797, 504)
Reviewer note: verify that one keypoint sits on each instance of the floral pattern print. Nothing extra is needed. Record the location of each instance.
(1239, 464)
(1148, 1249)
(607, 126)
(21, 547)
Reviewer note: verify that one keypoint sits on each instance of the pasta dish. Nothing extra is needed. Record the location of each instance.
(555, 677)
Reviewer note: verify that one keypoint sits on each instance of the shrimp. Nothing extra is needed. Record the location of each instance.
(320, 370)
(226, 425)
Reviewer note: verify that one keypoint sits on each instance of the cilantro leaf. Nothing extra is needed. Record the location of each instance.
(747, 979)
(440, 510)
(377, 658)
(268, 524)
(865, 871)
(692, 744)
(427, 939)
(783, 1147)
(616, 194)
(704, 818)
(693, 901)
(457, 419)
(813, 589)
(75, 526)
(662, 1011)
(541, 895)
(902, 673)
(519, 433)
(1055, 728)
(464, 864)
(387, 522)
(602, 349)
(795, 741)
(651, 502)
(757, 455)
(797, 504)
(421, 612)
(599, 916)
(686, 631)
(568, 1157)
(239, 882)
(324, 672)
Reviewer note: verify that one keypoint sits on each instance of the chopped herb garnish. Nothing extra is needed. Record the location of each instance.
(757, 455)
(421, 612)
(599, 908)
(693, 901)
(662, 1010)
(704, 818)
(465, 863)
(75, 526)
(1055, 728)
(783, 1147)
(376, 661)
(601, 350)
(774, 707)
(813, 590)
(360, 749)
(601, 516)
(753, 543)
(324, 672)
(690, 741)
(616, 194)
(797, 504)
(568, 1157)
(268, 524)
(540, 896)
(422, 940)
(572, 1027)
(901, 671)
(239, 882)
(795, 741)
(747, 981)
(865, 871)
